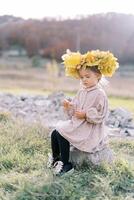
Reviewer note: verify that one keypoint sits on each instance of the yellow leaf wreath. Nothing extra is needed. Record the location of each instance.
(104, 60)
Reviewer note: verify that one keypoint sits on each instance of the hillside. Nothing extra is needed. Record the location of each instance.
(111, 31)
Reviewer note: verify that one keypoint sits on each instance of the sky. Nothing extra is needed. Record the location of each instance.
(39, 9)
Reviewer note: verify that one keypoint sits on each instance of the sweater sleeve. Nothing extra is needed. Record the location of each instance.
(97, 114)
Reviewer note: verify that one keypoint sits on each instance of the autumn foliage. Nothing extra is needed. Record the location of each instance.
(50, 38)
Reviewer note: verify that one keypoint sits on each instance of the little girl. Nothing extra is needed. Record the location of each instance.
(87, 111)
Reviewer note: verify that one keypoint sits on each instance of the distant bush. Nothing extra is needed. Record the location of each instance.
(5, 116)
(36, 61)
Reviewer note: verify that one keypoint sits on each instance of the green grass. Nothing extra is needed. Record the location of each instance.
(127, 103)
(24, 176)
(18, 91)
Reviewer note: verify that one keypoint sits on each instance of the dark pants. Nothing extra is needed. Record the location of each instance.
(60, 147)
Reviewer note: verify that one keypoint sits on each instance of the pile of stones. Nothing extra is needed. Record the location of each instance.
(48, 110)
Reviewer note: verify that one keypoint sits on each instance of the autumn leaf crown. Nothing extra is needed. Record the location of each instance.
(104, 60)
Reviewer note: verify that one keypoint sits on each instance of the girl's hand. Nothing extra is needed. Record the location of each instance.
(67, 104)
(80, 114)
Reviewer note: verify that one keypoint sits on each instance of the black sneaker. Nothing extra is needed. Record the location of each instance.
(61, 169)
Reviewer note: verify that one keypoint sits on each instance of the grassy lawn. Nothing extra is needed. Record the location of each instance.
(19, 91)
(23, 157)
(127, 103)
(24, 176)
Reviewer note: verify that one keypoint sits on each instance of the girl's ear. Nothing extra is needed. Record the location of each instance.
(99, 76)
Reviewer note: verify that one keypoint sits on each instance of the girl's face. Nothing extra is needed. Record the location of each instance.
(88, 77)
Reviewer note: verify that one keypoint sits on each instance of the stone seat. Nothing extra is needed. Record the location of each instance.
(78, 157)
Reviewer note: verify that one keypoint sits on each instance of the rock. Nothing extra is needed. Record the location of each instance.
(119, 117)
(122, 120)
(128, 132)
(78, 157)
(114, 132)
(39, 103)
(21, 113)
